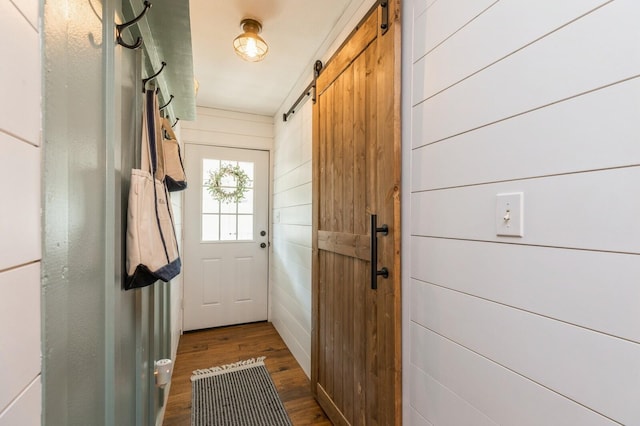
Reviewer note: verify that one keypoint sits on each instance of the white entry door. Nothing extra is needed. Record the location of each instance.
(226, 242)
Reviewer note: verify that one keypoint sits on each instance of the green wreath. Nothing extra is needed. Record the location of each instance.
(227, 196)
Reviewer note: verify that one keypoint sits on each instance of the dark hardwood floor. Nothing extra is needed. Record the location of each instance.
(226, 345)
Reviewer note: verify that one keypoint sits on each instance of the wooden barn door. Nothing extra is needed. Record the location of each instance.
(356, 345)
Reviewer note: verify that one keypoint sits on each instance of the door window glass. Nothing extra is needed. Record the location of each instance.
(227, 220)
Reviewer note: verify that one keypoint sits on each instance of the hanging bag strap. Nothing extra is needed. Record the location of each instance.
(152, 155)
(148, 157)
(168, 129)
(161, 170)
(153, 131)
(176, 179)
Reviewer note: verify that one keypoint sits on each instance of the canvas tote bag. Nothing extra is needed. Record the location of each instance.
(175, 178)
(152, 248)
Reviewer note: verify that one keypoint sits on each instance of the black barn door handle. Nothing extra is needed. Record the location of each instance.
(375, 273)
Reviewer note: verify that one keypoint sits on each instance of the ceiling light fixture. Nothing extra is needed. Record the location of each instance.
(249, 45)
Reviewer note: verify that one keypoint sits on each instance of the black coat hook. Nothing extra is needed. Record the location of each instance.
(167, 104)
(174, 124)
(144, 81)
(121, 27)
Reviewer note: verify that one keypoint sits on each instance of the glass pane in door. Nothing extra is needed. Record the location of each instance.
(223, 219)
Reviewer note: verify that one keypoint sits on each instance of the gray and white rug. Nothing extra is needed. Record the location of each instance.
(240, 394)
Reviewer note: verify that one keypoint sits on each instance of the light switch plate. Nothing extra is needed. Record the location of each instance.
(509, 214)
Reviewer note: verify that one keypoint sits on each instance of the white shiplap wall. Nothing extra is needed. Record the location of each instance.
(20, 249)
(539, 97)
(291, 261)
(228, 129)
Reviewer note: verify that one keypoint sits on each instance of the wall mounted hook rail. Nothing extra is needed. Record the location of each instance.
(146, 80)
(122, 27)
(167, 104)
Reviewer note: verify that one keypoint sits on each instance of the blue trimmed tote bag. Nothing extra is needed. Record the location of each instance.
(152, 248)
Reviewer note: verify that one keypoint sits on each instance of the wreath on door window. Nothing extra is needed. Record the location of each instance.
(228, 195)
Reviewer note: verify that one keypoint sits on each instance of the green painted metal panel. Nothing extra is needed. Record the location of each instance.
(74, 214)
(99, 341)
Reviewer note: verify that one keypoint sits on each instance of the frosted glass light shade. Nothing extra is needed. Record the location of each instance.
(249, 45)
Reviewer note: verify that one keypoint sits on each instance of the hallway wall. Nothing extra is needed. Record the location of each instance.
(538, 97)
(70, 338)
(99, 341)
(290, 270)
(85, 340)
(20, 248)
(228, 128)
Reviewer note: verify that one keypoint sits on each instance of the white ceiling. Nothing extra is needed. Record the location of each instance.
(293, 29)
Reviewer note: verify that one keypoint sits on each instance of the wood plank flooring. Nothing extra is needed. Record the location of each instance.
(208, 348)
